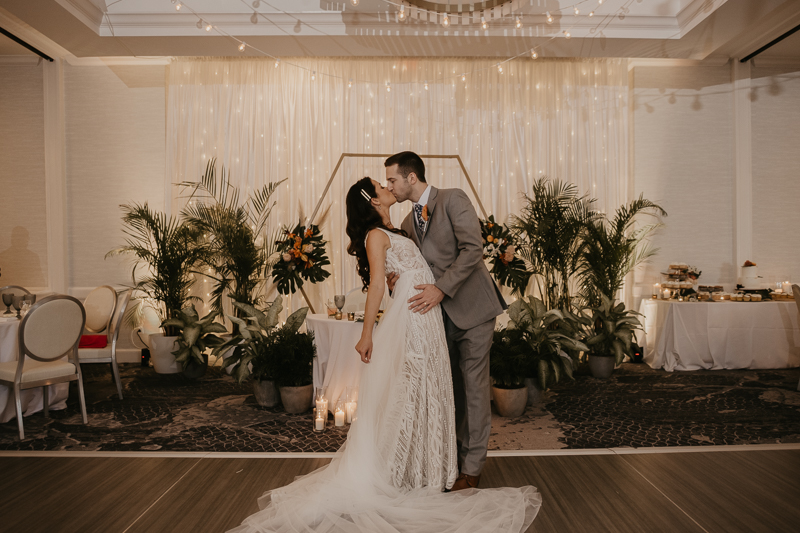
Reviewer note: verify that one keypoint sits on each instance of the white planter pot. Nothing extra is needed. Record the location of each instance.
(161, 354)
(510, 402)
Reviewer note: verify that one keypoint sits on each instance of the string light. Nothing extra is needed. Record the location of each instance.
(499, 68)
(209, 27)
(519, 23)
(402, 14)
(350, 83)
(446, 21)
(199, 24)
(567, 34)
(463, 77)
(577, 11)
(388, 87)
(549, 17)
(242, 46)
(254, 18)
(277, 62)
(178, 6)
(256, 4)
(313, 75)
(483, 23)
(534, 55)
(600, 2)
(591, 13)
(354, 2)
(426, 85)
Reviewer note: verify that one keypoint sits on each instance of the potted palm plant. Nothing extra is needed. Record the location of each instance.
(508, 363)
(272, 355)
(165, 251)
(549, 238)
(236, 234)
(197, 335)
(611, 250)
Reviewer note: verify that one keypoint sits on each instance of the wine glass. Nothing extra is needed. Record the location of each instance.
(331, 307)
(339, 301)
(18, 304)
(8, 299)
(30, 298)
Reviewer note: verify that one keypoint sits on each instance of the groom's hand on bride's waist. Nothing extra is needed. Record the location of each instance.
(391, 280)
(429, 298)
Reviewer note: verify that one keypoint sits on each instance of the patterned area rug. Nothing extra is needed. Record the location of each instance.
(636, 407)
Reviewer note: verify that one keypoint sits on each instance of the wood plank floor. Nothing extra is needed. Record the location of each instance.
(725, 491)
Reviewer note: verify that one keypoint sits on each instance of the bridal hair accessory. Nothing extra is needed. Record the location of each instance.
(366, 195)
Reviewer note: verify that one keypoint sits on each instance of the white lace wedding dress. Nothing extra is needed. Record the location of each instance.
(401, 451)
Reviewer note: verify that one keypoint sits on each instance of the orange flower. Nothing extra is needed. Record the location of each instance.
(425, 212)
(309, 232)
(490, 225)
(489, 238)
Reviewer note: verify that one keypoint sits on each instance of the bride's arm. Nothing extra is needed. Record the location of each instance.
(377, 244)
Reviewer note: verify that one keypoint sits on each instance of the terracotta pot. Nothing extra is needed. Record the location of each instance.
(266, 393)
(534, 392)
(297, 400)
(510, 402)
(161, 354)
(602, 366)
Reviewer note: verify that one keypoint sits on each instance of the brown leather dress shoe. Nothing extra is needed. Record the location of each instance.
(465, 481)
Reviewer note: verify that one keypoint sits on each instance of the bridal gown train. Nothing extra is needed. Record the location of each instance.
(401, 451)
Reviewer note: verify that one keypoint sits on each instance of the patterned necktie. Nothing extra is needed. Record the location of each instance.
(418, 217)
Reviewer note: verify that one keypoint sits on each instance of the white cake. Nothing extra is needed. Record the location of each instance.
(750, 279)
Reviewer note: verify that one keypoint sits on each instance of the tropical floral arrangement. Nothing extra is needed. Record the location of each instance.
(499, 248)
(302, 258)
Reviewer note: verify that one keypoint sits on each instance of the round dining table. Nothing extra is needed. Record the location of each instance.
(32, 400)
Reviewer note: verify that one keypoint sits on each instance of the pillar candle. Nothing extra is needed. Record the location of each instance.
(338, 418)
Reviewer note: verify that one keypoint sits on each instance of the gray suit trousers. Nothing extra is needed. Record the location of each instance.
(469, 364)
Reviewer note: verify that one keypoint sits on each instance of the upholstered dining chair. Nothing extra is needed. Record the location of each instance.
(355, 300)
(796, 293)
(99, 305)
(48, 351)
(108, 353)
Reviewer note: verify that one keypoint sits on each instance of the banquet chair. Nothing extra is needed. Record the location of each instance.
(48, 334)
(796, 293)
(354, 301)
(99, 305)
(108, 353)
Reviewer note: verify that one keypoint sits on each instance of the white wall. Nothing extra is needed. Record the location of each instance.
(23, 219)
(115, 123)
(775, 104)
(684, 141)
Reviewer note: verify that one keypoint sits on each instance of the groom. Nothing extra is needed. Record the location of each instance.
(445, 227)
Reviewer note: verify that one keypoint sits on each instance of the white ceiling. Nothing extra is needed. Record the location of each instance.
(711, 30)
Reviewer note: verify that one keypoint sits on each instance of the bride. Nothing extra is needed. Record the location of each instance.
(399, 461)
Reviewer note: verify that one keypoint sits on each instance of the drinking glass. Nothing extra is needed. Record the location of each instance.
(339, 301)
(8, 299)
(31, 298)
(18, 304)
(331, 308)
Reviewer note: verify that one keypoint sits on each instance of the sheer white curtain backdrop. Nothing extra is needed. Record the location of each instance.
(563, 119)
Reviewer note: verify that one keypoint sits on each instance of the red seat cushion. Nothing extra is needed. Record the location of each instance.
(93, 341)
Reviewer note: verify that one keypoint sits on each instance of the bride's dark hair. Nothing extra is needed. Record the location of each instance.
(362, 217)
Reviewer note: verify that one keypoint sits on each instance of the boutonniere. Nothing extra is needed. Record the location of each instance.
(425, 212)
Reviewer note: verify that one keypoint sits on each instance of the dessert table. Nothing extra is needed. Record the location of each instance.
(720, 335)
(337, 365)
(31, 399)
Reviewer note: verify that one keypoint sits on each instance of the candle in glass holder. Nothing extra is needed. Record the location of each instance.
(349, 411)
(666, 294)
(656, 290)
(319, 421)
(338, 417)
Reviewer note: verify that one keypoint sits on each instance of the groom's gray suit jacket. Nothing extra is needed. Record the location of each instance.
(453, 247)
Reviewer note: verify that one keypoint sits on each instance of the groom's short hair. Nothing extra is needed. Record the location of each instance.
(407, 162)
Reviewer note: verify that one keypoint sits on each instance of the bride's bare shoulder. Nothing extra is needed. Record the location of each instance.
(378, 237)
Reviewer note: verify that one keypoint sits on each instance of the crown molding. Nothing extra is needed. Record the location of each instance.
(86, 11)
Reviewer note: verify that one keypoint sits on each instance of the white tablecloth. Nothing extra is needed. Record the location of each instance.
(337, 365)
(32, 399)
(717, 335)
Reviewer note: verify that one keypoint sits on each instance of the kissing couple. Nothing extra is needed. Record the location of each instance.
(413, 458)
